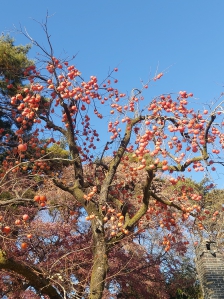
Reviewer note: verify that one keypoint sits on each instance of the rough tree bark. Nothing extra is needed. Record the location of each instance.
(100, 262)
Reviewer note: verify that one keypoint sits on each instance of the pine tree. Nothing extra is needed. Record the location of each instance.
(13, 65)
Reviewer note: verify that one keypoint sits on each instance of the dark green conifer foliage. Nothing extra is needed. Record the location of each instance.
(13, 63)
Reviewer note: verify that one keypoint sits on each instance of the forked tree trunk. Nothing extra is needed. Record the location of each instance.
(100, 264)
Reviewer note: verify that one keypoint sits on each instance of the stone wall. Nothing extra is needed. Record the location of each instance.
(210, 268)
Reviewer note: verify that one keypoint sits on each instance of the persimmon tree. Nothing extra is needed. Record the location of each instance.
(78, 231)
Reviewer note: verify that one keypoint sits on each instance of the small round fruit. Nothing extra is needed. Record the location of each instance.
(25, 217)
(43, 198)
(36, 198)
(22, 147)
(6, 230)
(17, 222)
(24, 245)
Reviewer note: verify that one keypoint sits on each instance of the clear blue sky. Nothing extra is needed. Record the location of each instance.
(185, 38)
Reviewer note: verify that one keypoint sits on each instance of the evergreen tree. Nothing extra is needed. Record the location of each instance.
(14, 70)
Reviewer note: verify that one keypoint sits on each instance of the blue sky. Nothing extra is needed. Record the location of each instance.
(184, 39)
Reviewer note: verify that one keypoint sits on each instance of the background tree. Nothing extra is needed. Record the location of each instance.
(13, 63)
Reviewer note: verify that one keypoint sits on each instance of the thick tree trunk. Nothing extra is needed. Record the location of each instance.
(100, 263)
